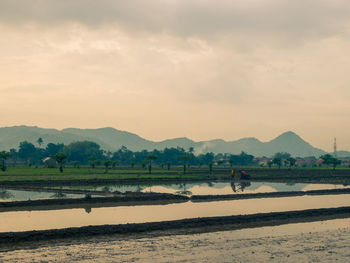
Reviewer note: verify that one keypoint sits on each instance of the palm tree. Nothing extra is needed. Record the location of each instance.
(60, 159)
(3, 156)
(210, 167)
(92, 161)
(185, 158)
(168, 164)
(107, 163)
(150, 158)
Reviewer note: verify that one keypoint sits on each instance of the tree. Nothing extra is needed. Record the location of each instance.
(107, 163)
(291, 161)
(231, 162)
(151, 157)
(82, 151)
(336, 162)
(282, 155)
(76, 164)
(14, 155)
(210, 167)
(168, 164)
(92, 161)
(241, 159)
(3, 156)
(60, 159)
(220, 162)
(52, 149)
(184, 158)
(27, 151)
(114, 164)
(270, 163)
(330, 160)
(277, 161)
(40, 141)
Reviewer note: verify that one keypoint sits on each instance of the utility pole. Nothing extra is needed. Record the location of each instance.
(335, 147)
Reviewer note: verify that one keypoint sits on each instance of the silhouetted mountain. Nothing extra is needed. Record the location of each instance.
(112, 139)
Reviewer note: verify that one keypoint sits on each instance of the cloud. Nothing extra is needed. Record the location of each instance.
(201, 18)
(267, 65)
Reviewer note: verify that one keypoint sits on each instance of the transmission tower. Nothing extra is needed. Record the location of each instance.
(335, 147)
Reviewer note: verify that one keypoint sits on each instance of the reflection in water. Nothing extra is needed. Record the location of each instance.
(5, 194)
(106, 189)
(59, 195)
(36, 220)
(241, 185)
(22, 195)
(185, 188)
(184, 191)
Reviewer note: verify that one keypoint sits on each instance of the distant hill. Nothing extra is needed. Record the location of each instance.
(342, 154)
(112, 139)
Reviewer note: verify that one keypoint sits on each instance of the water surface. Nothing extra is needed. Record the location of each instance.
(40, 220)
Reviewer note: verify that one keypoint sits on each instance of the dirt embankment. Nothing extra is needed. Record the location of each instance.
(206, 224)
(125, 199)
(208, 198)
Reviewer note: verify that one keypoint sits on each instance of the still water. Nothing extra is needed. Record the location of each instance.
(213, 188)
(208, 188)
(40, 220)
(7, 195)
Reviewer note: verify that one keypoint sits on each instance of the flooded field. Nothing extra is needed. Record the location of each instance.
(212, 188)
(41, 220)
(7, 195)
(198, 188)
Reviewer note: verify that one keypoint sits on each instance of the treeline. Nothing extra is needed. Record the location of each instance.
(89, 153)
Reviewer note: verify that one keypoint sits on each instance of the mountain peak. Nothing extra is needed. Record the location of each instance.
(112, 139)
(288, 136)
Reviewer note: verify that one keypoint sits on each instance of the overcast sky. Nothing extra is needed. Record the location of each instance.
(202, 69)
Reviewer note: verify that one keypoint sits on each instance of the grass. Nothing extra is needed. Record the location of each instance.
(45, 174)
(19, 174)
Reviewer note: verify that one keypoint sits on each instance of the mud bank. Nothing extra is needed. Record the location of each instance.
(208, 198)
(193, 225)
(125, 199)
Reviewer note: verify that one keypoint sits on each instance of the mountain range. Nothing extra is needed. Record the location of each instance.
(112, 139)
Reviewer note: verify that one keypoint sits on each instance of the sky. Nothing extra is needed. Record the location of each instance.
(200, 69)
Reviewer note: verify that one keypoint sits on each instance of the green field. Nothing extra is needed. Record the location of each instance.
(32, 174)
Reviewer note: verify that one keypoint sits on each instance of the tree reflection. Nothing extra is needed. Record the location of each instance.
(184, 190)
(4, 194)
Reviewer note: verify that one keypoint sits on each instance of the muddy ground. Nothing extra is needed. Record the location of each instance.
(226, 246)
